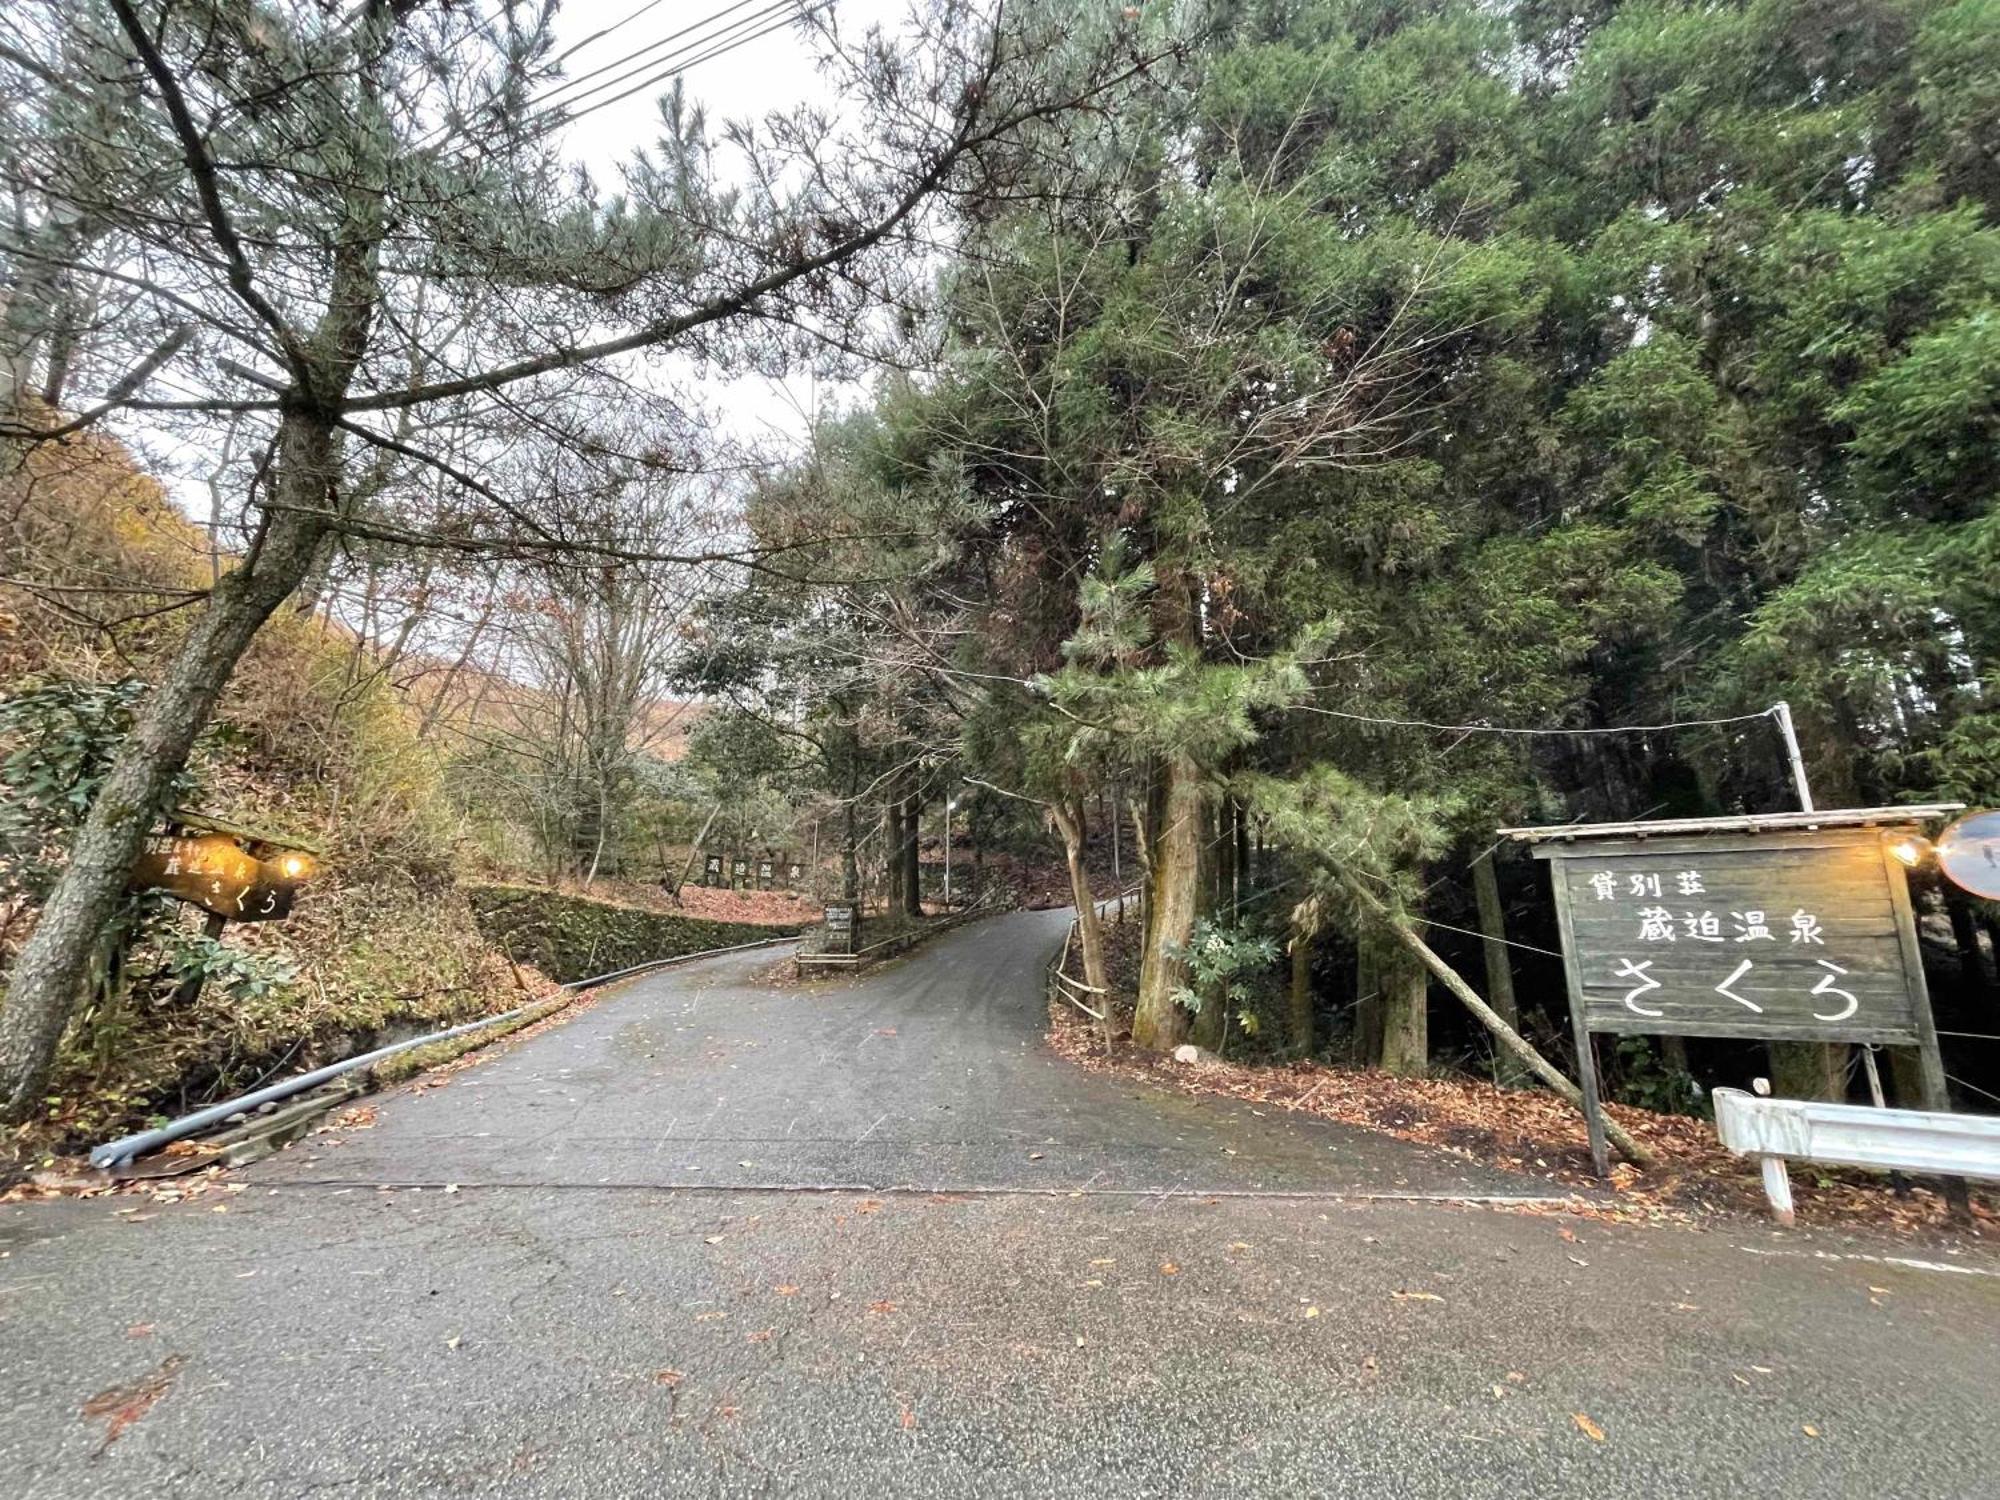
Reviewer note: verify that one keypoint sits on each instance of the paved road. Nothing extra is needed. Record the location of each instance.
(930, 1073)
(612, 1303)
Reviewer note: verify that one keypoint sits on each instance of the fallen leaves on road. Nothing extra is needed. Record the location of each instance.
(869, 1206)
(668, 1378)
(882, 1308)
(1415, 1297)
(1169, 1268)
(1533, 1132)
(761, 1336)
(122, 1405)
(907, 1419)
(1587, 1427)
(139, 1331)
(786, 1291)
(1809, 1430)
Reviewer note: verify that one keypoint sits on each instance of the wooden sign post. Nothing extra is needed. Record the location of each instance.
(843, 926)
(1787, 927)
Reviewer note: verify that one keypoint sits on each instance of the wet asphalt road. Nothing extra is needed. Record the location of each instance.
(714, 1238)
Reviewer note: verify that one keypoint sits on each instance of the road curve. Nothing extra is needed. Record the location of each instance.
(930, 1073)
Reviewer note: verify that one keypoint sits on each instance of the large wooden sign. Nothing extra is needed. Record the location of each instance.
(1782, 927)
(1780, 936)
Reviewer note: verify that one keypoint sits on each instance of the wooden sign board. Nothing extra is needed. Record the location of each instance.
(739, 869)
(212, 871)
(1793, 927)
(1781, 937)
(711, 870)
(842, 925)
(764, 871)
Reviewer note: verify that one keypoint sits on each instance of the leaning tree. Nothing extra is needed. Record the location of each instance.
(344, 234)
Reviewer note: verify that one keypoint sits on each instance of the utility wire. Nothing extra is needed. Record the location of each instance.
(598, 36)
(698, 26)
(562, 112)
(1336, 713)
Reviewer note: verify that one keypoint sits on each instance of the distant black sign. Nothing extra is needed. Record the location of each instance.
(840, 927)
(711, 871)
(764, 868)
(1784, 937)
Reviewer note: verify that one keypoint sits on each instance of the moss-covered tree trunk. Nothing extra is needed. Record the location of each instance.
(1367, 1038)
(1173, 901)
(1299, 1009)
(49, 973)
(1809, 1070)
(1406, 1047)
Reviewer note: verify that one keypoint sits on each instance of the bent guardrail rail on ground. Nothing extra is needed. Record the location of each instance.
(1853, 1135)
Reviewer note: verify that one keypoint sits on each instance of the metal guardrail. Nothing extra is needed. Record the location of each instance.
(1853, 1135)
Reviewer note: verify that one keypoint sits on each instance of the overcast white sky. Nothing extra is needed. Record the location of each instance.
(771, 71)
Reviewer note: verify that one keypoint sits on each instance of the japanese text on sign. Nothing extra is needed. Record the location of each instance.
(1780, 941)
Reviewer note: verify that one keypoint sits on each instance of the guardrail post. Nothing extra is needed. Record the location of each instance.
(1778, 1188)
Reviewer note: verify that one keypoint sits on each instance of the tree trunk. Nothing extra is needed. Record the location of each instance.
(694, 854)
(892, 861)
(1173, 901)
(1406, 1048)
(850, 850)
(1809, 1070)
(1070, 824)
(906, 852)
(1301, 1007)
(1367, 1004)
(1499, 972)
(51, 965)
(1965, 934)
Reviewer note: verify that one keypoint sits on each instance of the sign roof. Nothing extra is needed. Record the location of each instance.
(1838, 817)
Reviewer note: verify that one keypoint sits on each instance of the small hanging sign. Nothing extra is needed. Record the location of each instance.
(230, 872)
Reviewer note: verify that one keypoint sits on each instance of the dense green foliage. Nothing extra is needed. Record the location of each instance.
(1541, 365)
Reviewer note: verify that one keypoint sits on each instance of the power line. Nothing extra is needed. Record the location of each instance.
(653, 46)
(1336, 713)
(719, 44)
(598, 36)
